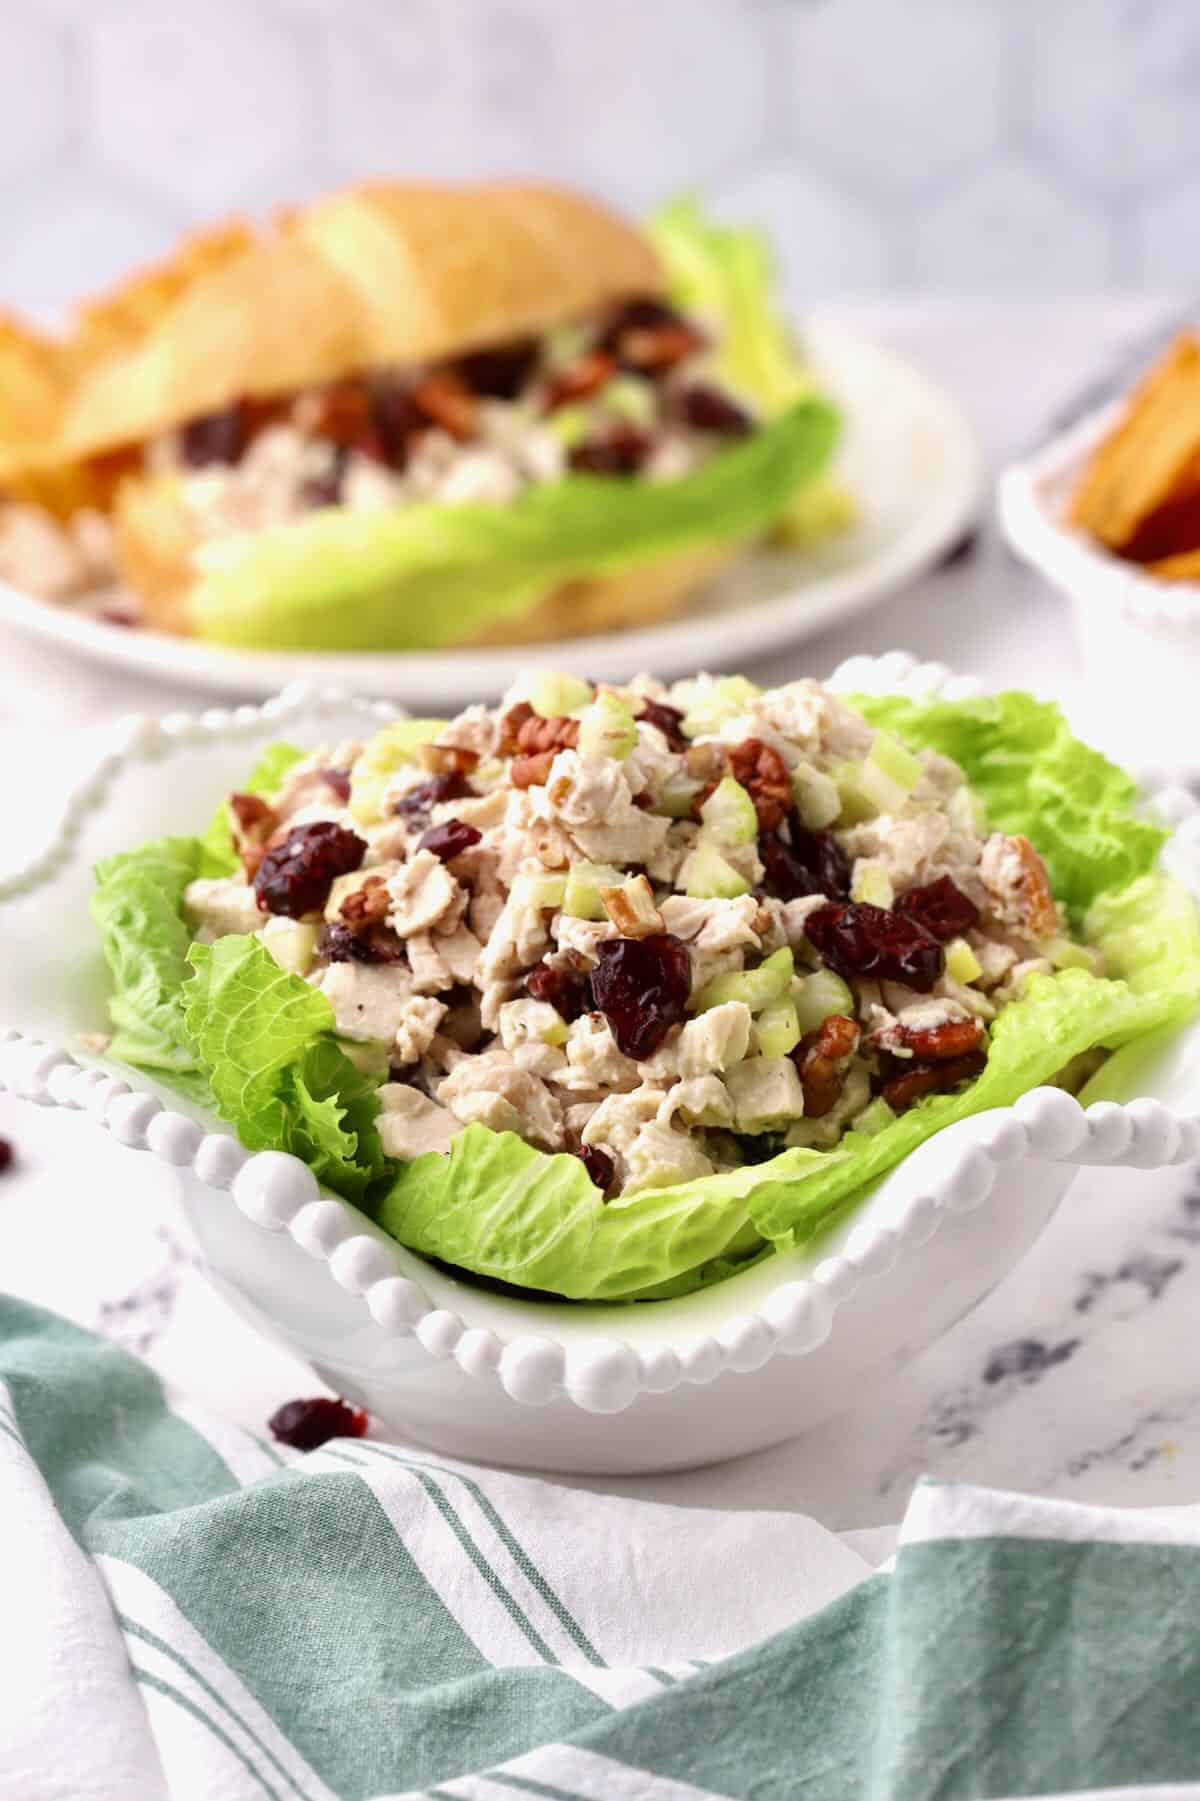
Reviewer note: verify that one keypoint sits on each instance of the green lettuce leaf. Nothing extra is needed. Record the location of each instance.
(138, 909)
(1036, 778)
(420, 577)
(726, 273)
(496, 1206)
(276, 1070)
(265, 778)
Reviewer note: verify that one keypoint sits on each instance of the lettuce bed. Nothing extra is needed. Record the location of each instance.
(226, 1026)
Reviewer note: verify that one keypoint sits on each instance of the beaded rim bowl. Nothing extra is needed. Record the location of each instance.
(598, 1359)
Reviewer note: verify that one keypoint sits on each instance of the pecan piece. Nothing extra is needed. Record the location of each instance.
(1037, 898)
(763, 773)
(449, 403)
(559, 733)
(254, 820)
(448, 759)
(936, 1078)
(941, 1044)
(531, 771)
(632, 908)
(509, 727)
(821, 1058)
(368, 905)
(586, 375)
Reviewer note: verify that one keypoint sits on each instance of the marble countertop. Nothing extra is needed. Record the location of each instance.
(1070, 1379)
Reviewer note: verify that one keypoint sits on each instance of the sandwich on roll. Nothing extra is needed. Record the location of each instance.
(412, 417)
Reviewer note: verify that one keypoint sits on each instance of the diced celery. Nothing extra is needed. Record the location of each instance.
(857, 804)
(816, 796)
(871, 883)
(962, 965)
(874, 1118)
(676, 795)
(581, 898)
(539, 891)
(552, 695)
(879, 790)
(728, 814)
(708, 876)
(629, 398)
(707, 704)
(607, 728)
(819, 996)
(895, 761)
(387, 752)
(563, 343)
(291, 942)
(777, 1028)
(570, 425)
(756, 987)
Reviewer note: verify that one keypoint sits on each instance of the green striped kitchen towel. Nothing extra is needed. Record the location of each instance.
(184, 1612)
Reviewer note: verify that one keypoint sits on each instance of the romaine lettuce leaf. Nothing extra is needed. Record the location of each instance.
(265, 778)
(497, 1206)
(1035, 777)
(138, 909)
(726, 274)
(419, 577)
(277, 1073)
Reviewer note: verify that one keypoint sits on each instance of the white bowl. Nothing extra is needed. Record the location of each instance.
(615, 1389)
(1139, 635)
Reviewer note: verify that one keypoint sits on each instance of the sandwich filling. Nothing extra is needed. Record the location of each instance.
(673, 930)
(631, 393)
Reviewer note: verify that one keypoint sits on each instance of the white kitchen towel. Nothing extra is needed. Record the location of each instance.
(188, 1612)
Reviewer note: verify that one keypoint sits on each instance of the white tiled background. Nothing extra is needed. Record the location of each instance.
(992, 146)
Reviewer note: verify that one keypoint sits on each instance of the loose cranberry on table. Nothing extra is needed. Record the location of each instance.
(449, 839)
(857, 939)
(641, 985)
(6, 1155)
(307, 1425)
(294, 878)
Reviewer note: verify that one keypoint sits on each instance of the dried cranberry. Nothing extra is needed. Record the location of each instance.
(307, 1425)
(941, 907)
(326, 490)
(216, 437)
(641, 985)
(450, 839)
(414, 802)
(295, 877)
(338, 782)
(599, 1165)
(669, 721)
(857, 939)
(500, 373)
(620, 452)
(397, 420)
(637, 315)
(707, 409)
(813, 863)
(6, 1155)
(340, 943)
(562, 987)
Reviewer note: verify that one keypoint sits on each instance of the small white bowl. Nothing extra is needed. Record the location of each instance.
(591, 1389)
(1140, 635)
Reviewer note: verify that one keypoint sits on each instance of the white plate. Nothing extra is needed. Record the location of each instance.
(908, 453)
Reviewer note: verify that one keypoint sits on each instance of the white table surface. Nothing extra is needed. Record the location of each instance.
(1074, 1378)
